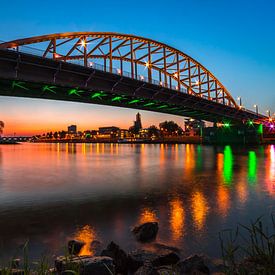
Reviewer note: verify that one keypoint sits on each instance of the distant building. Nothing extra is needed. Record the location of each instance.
(193, 127)
(108, 132)
(137, 122)
(1, 127)
(72, 129)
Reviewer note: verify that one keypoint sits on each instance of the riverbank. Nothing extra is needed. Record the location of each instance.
(3, 142)
(258, 256)
(185, 140)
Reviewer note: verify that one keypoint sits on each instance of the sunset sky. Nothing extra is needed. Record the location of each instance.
(233, 39)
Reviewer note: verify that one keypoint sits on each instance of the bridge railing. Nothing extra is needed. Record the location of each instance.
(39, 52)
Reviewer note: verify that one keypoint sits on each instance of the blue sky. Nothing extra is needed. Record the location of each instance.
(233, 39)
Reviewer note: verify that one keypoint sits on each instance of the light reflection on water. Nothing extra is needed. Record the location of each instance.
(52, 192)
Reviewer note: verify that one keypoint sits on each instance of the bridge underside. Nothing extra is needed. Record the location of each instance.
(24, 75)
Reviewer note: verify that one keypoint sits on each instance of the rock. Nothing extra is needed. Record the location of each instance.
(215, 266)
(168, 270)
(167, 259)
(160, 246)
(119, 256)
(96, 247)
(75, 246)
(146, 232)
(193, 265)
(85, 265)
(147, 269)
(137, 258)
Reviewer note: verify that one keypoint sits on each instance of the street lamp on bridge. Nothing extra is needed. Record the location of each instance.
(240, 100)
(257, 108)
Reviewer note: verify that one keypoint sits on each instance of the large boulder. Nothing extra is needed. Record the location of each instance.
(119, 256)
(147, 269)
(85, 265)
(138, 258)
(96, 247)
(75, 246)
(170, 258)
(146, 232)
(193, 265)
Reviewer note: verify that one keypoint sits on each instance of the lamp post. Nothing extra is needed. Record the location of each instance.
(257, 108)
(240, 99)
(268, 112)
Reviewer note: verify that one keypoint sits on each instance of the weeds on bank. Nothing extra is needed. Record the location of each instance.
(249, 249)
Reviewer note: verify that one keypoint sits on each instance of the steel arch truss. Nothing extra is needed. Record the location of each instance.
(130, 56)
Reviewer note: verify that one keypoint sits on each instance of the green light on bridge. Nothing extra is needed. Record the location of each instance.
(226, 125)
(75, 92)
(173, 109)
(227, 164)
(116, 98)
(48, 88)
(19, 85)
(252, 166)
(149, 104)
(98, 95)
(162, 106)
(134, 101)
(250, 122)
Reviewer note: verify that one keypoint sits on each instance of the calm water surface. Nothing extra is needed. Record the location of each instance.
(50, 193)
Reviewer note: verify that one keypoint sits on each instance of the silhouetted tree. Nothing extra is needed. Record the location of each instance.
(170, 128)
(153, 131)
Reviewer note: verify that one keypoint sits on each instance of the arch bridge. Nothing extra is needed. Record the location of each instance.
(119, 70)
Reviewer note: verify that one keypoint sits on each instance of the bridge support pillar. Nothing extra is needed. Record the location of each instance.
(238, 134)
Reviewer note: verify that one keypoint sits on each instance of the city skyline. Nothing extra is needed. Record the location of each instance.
(239, 52)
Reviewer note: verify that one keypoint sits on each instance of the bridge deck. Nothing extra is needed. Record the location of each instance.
(26, 75)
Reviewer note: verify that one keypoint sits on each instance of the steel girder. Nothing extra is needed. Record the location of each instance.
(132, 56)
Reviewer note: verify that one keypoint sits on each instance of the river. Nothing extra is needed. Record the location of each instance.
(50, 193)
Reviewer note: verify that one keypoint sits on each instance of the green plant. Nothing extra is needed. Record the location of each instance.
(249, 248)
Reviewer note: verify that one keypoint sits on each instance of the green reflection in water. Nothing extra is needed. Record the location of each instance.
(228, 165)
(260, 129)
(199, 158)
(252, 166)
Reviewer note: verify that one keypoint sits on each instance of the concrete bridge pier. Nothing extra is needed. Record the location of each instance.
(237, 134)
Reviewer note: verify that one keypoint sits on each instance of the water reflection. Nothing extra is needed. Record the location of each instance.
(223, 199)
(147, 215)
(252, 167)
(199, 208)
(228, 165)
(176, 218)
(87, 235)
(271, 170)
(115, 186)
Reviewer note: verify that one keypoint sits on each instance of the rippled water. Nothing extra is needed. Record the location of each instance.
(50, 193)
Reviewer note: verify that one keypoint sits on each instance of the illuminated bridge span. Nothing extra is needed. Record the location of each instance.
(119, 70)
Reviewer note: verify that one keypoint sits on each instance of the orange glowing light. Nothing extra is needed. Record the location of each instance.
(147, 215)
(223, 200)
(199, 208)
(176, 218)
(86, 234)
